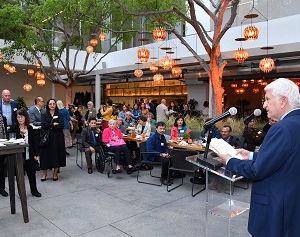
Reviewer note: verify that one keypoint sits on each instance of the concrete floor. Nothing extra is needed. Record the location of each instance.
(80, 204)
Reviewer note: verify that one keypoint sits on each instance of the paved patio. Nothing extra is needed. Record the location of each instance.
(80, 204)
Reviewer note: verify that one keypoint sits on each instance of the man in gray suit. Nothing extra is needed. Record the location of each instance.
(35, 114)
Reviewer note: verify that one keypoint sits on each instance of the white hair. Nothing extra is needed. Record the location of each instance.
(285, 87)
(60, 104)
(112, 121)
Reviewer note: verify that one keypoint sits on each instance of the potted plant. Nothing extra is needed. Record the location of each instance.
(185, 137)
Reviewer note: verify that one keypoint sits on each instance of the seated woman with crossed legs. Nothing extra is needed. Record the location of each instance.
(113, 137)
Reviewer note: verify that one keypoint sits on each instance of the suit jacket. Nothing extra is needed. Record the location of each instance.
(275, 195)
(14, 107)
(35, 115)
(87, 137)
(235, 141)
(31, 141)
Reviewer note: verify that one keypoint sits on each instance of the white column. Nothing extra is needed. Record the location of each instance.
(97, 91)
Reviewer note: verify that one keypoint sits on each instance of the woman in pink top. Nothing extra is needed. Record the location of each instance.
(113, 137)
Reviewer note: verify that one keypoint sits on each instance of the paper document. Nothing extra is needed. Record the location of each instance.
(222, 147)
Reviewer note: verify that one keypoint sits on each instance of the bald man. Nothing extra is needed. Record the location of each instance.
(162, 113)
(8, 107)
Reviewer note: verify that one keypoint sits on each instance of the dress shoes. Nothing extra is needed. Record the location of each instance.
(118, 171)
(55, 179)
(36, 194)
(90, 170)
(166, 182)
(130, 170)
(67, 153)
(3, 193)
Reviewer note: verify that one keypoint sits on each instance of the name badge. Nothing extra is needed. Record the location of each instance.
(182, 131)
(162, 144)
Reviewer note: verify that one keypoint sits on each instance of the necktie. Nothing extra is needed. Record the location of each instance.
(94, 139)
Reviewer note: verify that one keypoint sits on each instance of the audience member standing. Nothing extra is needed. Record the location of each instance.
(91, 112)
(106, 111)
(253, 137)
(53, 154)
(269, 124)
(3, 128)
(30, 154)
(35, 114)
(8, 107)
(162, 112)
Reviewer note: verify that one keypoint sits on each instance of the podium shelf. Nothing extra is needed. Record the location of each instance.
(230, 209)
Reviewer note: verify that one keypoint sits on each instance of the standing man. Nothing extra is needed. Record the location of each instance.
(158, 145)
(274, 169)
(232, 140)
(8, 108)
(35, 113)
(162, 112)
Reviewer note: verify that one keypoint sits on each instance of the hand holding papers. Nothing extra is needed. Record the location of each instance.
(220, 146)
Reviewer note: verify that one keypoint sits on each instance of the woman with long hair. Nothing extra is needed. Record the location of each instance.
(53, 154)
(179, 128)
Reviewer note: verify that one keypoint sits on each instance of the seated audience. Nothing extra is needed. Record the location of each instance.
(114, 138)
(179, 129)
(150, 119)
(136, 112)
(120, 125)
(123, 112)
(128, 120)
(91, 140)
(269, 124)
(143, 127)
(215, 132)
(157, 143)
(253, 137)
(232, 140)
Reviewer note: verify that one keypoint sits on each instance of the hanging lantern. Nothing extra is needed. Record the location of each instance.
(143, 54)
(27, 87)
(40, 82)
(38, 75)
(259, 81)
(167, 62)
(252, 80)
(12, 69)
(245, 85)
(159, 34)
(240, 55)
(6, 66)
(94, 42)
(30, 72)
(102, 36)
(1, 55)
(153, 68)
(233, 85)
(264, 83)
(255, 90)
(266, 64)
(176, 71)
(138, 73)
(89, 49)
(239, 91)
(42, 76)
(251, 33)
(37, 64)
(158, 77)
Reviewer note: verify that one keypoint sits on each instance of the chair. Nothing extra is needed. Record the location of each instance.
(178, 163)
(79, 148)
(143, 152)
(104, 157)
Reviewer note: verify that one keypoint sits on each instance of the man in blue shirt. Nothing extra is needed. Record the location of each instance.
(8, 107)
(157, 143)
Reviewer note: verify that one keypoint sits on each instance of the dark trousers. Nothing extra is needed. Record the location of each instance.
(164, 166)
(88, 156)
(29, 168)
(118, 150)
(2, 172)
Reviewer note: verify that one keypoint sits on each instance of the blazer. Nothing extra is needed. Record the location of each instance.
(35, 115)
(14, 107)
(87, 137)
(275, 194)
(235, 141)
(31, 141)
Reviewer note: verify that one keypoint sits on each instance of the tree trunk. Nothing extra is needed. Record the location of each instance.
(68, 96)
(217, 91)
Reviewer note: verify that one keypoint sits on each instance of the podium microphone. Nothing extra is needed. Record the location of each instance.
(231, 111)
(256, 112)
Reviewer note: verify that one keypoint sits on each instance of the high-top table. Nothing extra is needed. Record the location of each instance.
(15, 167)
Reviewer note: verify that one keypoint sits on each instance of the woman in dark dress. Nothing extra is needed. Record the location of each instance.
(24, 130)
(53, 154)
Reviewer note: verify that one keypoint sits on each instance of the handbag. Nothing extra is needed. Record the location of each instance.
(44, 139)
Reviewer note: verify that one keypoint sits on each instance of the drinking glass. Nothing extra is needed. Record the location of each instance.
(12, 135)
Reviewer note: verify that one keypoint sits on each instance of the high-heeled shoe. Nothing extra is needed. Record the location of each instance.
(43, 179)
(55, 179)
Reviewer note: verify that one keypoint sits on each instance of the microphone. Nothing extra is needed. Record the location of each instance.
(256, 112)
(231, 111)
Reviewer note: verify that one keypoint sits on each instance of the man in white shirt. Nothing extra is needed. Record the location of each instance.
(162, 113)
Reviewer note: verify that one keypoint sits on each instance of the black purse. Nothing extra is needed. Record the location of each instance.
(44, 139)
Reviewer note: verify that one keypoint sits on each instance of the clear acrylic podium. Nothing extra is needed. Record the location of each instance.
(221, 209)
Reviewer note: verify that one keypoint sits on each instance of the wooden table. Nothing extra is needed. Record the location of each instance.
(130, 138)
(15, 167)
(188, 147)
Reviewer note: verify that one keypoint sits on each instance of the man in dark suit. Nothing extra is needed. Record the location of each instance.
(8, 107)
(35, 113)
(232, 140)
(274, 169)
